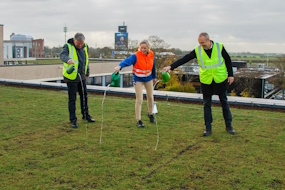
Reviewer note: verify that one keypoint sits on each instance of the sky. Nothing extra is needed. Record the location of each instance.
(256, 26)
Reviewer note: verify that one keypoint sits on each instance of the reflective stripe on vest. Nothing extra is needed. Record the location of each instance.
(211, 68)
(143, 66)
(74, 57)
(71, 57)
(141, 73)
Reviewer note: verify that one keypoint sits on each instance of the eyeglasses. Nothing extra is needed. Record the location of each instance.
(78, 43)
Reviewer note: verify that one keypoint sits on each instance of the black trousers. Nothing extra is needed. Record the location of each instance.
(219, 89)
(73, 87)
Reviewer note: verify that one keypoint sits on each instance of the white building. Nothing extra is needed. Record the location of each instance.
(1, 44)
(18, 46)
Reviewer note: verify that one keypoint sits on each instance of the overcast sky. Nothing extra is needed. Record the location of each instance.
(242, 25)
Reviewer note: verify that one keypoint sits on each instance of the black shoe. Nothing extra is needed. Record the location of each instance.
(231, 131)
(88, 118)
(207, 133)
(74, 124)
(151, 118)
(140, 124)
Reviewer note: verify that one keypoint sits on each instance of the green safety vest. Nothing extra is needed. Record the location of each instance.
(73, 55)
(213, 67)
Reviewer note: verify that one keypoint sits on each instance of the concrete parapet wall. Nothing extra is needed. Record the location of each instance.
(251, 103)
(31, 72)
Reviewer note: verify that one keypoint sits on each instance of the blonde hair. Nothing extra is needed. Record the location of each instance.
(144, 42)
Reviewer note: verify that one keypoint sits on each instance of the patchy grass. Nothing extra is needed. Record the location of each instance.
(39, 150)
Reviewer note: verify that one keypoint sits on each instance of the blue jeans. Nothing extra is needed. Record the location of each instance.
(208, 91)
(73, 87)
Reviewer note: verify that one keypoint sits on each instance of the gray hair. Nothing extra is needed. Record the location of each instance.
(205, 34)
(79, 36)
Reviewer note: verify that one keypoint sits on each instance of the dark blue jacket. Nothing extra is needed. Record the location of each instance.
(81, 60)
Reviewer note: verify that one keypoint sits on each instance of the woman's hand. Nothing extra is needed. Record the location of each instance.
(117, 69)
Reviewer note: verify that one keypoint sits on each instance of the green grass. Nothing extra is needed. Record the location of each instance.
(254, 59)
(39, 150)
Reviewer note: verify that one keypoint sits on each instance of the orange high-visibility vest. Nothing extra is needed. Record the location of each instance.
(143, 66)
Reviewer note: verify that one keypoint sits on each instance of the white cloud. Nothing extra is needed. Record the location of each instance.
(256, 25)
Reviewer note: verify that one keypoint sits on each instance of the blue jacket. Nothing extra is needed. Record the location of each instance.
(132, 61)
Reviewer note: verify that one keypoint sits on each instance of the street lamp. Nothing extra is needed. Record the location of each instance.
(65, 30)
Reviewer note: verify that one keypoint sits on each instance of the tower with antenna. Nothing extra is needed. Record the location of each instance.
(65, 30)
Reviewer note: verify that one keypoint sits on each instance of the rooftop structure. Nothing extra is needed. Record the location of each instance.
(20, 37)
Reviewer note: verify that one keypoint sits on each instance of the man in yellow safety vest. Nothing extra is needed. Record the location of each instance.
(75, 72)
(215, 74)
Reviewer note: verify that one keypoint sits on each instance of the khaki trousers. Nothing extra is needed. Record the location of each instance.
(139, 97)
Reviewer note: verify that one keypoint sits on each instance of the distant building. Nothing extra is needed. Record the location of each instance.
(1, 44)
(38, 48)
(238, 65)
(18, 46)
(16, 49)
(23, 46)
(258, 80)
(164, 54)
(20, 37)
(255, 78)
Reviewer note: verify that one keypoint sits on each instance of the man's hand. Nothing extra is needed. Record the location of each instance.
(230, 80)
(165, 69)
(70, 61)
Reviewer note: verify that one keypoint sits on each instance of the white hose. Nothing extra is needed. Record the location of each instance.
(157, 138)
(103, 112)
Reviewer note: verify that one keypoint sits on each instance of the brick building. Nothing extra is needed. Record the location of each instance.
(38, 48)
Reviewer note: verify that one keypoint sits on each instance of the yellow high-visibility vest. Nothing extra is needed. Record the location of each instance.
(211, 68)
(73, 55)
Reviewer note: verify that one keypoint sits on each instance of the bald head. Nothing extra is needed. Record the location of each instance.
(204, 40)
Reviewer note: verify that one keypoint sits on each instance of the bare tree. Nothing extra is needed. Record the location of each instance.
(157, 43)
(132, 45)
(158, 46)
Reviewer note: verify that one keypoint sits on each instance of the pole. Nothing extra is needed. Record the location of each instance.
(65, 30)
(267, 59)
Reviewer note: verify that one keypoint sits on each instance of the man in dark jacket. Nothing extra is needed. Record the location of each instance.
(75, 72)
(216, 73)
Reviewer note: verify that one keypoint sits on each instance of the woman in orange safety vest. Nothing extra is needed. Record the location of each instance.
(143, 75)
